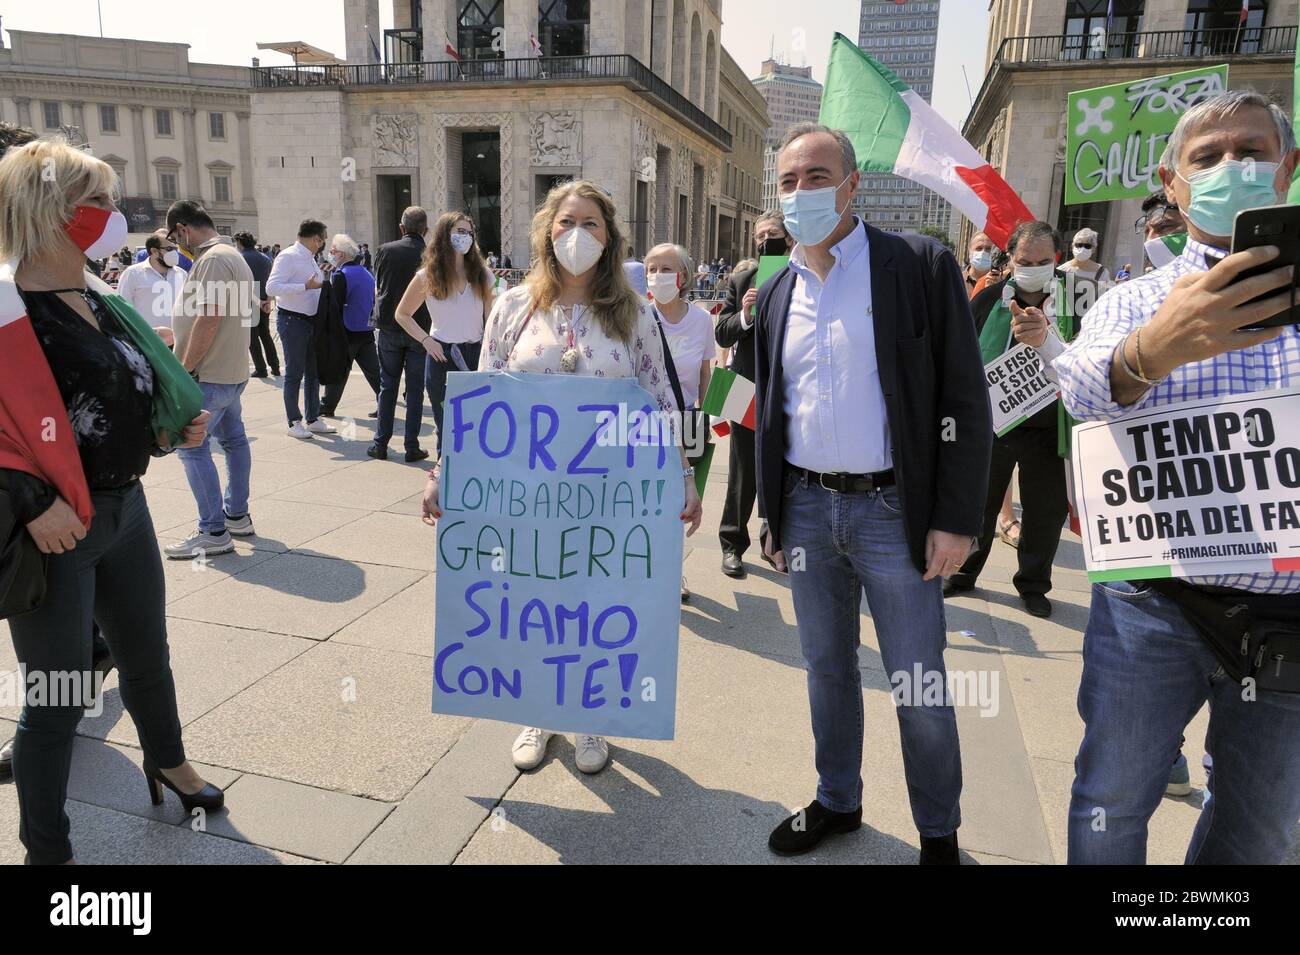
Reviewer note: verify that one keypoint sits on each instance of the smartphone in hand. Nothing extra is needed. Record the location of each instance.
(1271, 225)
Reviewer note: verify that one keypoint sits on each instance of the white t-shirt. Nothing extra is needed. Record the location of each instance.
(692, 343)
(152, 295)
(457, 318)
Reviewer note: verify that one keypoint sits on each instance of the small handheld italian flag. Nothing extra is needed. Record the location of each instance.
(730, 398)
(894, 130)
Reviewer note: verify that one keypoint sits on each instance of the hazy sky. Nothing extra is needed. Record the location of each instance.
(228, 31)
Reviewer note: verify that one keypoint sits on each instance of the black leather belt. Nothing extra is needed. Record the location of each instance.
(849, 483)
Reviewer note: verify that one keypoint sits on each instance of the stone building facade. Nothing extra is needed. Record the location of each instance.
(743, 112)
(619, 96)
(170, 128)
(1041, 50)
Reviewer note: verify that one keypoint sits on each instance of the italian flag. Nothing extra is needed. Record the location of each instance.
(730, 398)
(894, 130)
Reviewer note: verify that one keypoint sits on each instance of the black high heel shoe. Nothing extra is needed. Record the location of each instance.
(209, 798)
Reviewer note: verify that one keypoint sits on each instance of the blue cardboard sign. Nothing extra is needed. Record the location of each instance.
(559, 555)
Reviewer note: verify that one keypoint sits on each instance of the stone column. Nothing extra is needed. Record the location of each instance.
(245, 159)
(193, 174)
(1164, 15)
(24, 105)
(79, 118)
(605, 33)
(141, 143)
(439, 25)
(360, 23)
(520, 21)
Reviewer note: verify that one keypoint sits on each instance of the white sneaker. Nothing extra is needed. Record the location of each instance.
(530, 748)
(322, 427)
(299, 430)
(240, 526)
(200, 545)
(592, 753)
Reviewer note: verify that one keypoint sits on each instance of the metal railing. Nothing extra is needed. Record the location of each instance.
(511, 72)
(1156, 44)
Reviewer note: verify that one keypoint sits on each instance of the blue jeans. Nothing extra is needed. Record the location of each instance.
(227, 426)
(848, 544)
(298, 337)
(400, 354)
(1145, 675)
(435, 379)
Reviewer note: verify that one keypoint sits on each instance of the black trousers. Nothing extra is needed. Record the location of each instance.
(1043, 501)
(742, 487)
(361, 350)
(114, 577)
(260, 340)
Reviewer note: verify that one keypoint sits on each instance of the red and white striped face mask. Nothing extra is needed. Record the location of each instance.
(97, 232)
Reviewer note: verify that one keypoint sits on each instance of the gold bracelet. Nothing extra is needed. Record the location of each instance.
(1128, 369)
(1137, 348)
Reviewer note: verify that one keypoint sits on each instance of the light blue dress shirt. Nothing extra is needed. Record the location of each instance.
(831, 382)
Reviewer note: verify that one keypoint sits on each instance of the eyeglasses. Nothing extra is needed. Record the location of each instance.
(1082, 245)
(1153, 219)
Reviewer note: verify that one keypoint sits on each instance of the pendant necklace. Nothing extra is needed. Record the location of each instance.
(569, 359)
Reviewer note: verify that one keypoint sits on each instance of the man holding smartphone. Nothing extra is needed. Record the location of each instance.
(1168, 336)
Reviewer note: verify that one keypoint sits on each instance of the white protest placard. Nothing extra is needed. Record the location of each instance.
(1197, 488)
(1018, 388)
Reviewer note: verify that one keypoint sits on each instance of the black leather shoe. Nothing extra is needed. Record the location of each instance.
(732, 566)
(378, 452)
(1037, 605)
(955, 585)
(6, 761)
(419, 454)
(328, 414)
(373, 414)
(805, 830)
(939, 850)
(209, 798)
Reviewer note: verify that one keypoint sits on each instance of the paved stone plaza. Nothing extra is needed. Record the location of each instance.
(337, 591)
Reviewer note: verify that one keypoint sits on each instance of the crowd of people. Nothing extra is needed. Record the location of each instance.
(859, 348)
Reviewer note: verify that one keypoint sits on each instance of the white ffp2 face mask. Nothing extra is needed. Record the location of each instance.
(1082, 253)
(577, 250)
(663, 286)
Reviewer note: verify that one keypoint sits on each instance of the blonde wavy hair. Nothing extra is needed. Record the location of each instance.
(41, 185)
(614, 302)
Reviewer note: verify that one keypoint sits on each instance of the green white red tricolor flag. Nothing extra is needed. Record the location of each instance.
(730, 398)
(894, 130)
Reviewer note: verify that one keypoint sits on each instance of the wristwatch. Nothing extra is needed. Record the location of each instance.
(688, 472)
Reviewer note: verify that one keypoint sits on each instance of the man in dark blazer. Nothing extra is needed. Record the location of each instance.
(735, 330)
(395, 265)
(873, 446)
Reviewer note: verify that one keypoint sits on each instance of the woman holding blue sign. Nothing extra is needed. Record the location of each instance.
(576, 314)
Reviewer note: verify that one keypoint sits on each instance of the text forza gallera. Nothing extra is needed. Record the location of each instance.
(559, 555)
(1196, 488)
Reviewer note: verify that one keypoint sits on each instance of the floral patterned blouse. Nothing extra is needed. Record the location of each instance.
(513, 341)
(106, 384)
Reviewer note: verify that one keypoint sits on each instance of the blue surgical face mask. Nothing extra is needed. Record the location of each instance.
(811, 214)
(982, 260)
(1232, 186)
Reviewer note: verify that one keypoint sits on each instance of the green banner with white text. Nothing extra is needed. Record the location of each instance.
(1116, 134)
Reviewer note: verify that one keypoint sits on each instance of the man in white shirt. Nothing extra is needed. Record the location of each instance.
(295, 283)
(872, 444)
(153, 285)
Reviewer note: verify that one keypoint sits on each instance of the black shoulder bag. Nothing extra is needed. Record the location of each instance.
(22, 565)
(1264, 647)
